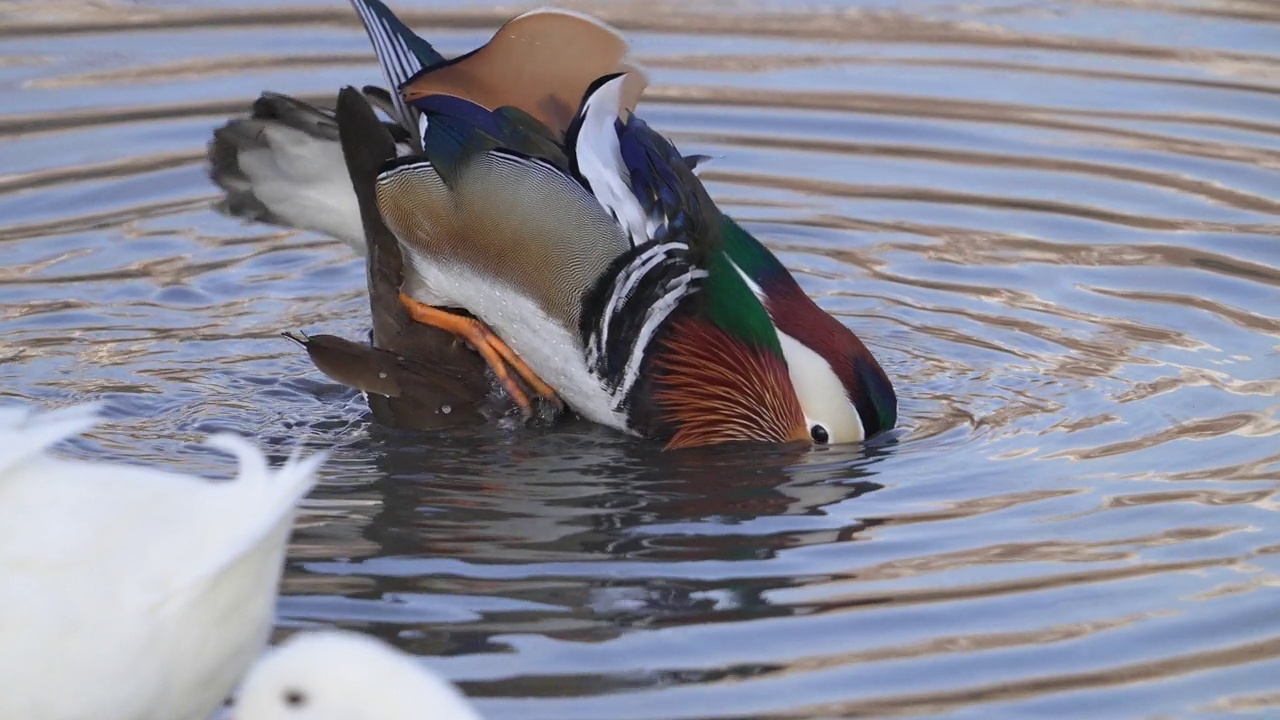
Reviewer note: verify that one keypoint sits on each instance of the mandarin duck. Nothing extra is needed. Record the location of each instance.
(596, 266)
(581, 238)
(412, 375)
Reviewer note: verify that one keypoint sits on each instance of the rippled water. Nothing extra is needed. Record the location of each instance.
(1057, 223)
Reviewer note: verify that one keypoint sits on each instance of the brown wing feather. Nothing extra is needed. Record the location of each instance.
(541, 62)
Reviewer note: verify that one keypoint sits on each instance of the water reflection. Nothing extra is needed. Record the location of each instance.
(539, 523)
(581, 499)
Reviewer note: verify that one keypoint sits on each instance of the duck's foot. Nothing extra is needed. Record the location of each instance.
(495, 352)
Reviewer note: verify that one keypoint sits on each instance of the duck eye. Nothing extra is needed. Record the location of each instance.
(295, 698)
(819, 434)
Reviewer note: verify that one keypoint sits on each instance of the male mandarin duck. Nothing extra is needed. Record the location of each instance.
(599, 266)
(597, 269)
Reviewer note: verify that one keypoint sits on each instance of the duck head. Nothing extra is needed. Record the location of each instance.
(753, 358)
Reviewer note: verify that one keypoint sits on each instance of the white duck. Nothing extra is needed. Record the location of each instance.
(128, 593)
(339, 675)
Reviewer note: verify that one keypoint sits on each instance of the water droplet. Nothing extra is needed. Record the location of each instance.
(382, 375)
(446, 409)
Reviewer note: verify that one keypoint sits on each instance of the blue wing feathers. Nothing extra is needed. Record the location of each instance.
(458, 128)
(661, 178)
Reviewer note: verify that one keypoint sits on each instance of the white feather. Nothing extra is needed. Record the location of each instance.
(654, 317)
(337, 675)
(633, 273)
(303, 180)
(53, 427)
(751, 284)
(822, 396)
(130, 593)
(394, 56)
(600, 159)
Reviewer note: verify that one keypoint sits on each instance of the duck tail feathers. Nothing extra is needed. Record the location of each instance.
(283, 165)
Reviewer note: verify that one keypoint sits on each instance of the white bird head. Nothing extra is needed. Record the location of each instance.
(336, 675)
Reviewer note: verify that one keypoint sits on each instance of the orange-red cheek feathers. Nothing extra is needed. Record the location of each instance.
(712, 388)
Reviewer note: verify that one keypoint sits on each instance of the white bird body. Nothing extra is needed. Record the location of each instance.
(131, 593)
(339, 675)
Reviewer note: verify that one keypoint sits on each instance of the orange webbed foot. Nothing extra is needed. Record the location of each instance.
(495, 352)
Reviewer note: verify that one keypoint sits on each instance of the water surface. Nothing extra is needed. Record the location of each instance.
(1056, 223)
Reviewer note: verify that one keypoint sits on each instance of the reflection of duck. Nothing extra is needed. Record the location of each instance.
(576, 533)
(579, 236)
(334, 674)
(127, 592)
(572, 499)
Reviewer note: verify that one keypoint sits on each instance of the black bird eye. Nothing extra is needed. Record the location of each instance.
(819, 434)
(295, 698)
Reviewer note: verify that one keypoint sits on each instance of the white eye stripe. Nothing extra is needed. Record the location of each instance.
(822, 396)
(752, 284)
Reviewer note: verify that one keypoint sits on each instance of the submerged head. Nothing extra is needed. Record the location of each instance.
(845, 394)
(766, 363)
(823, 387)
(335, 675)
